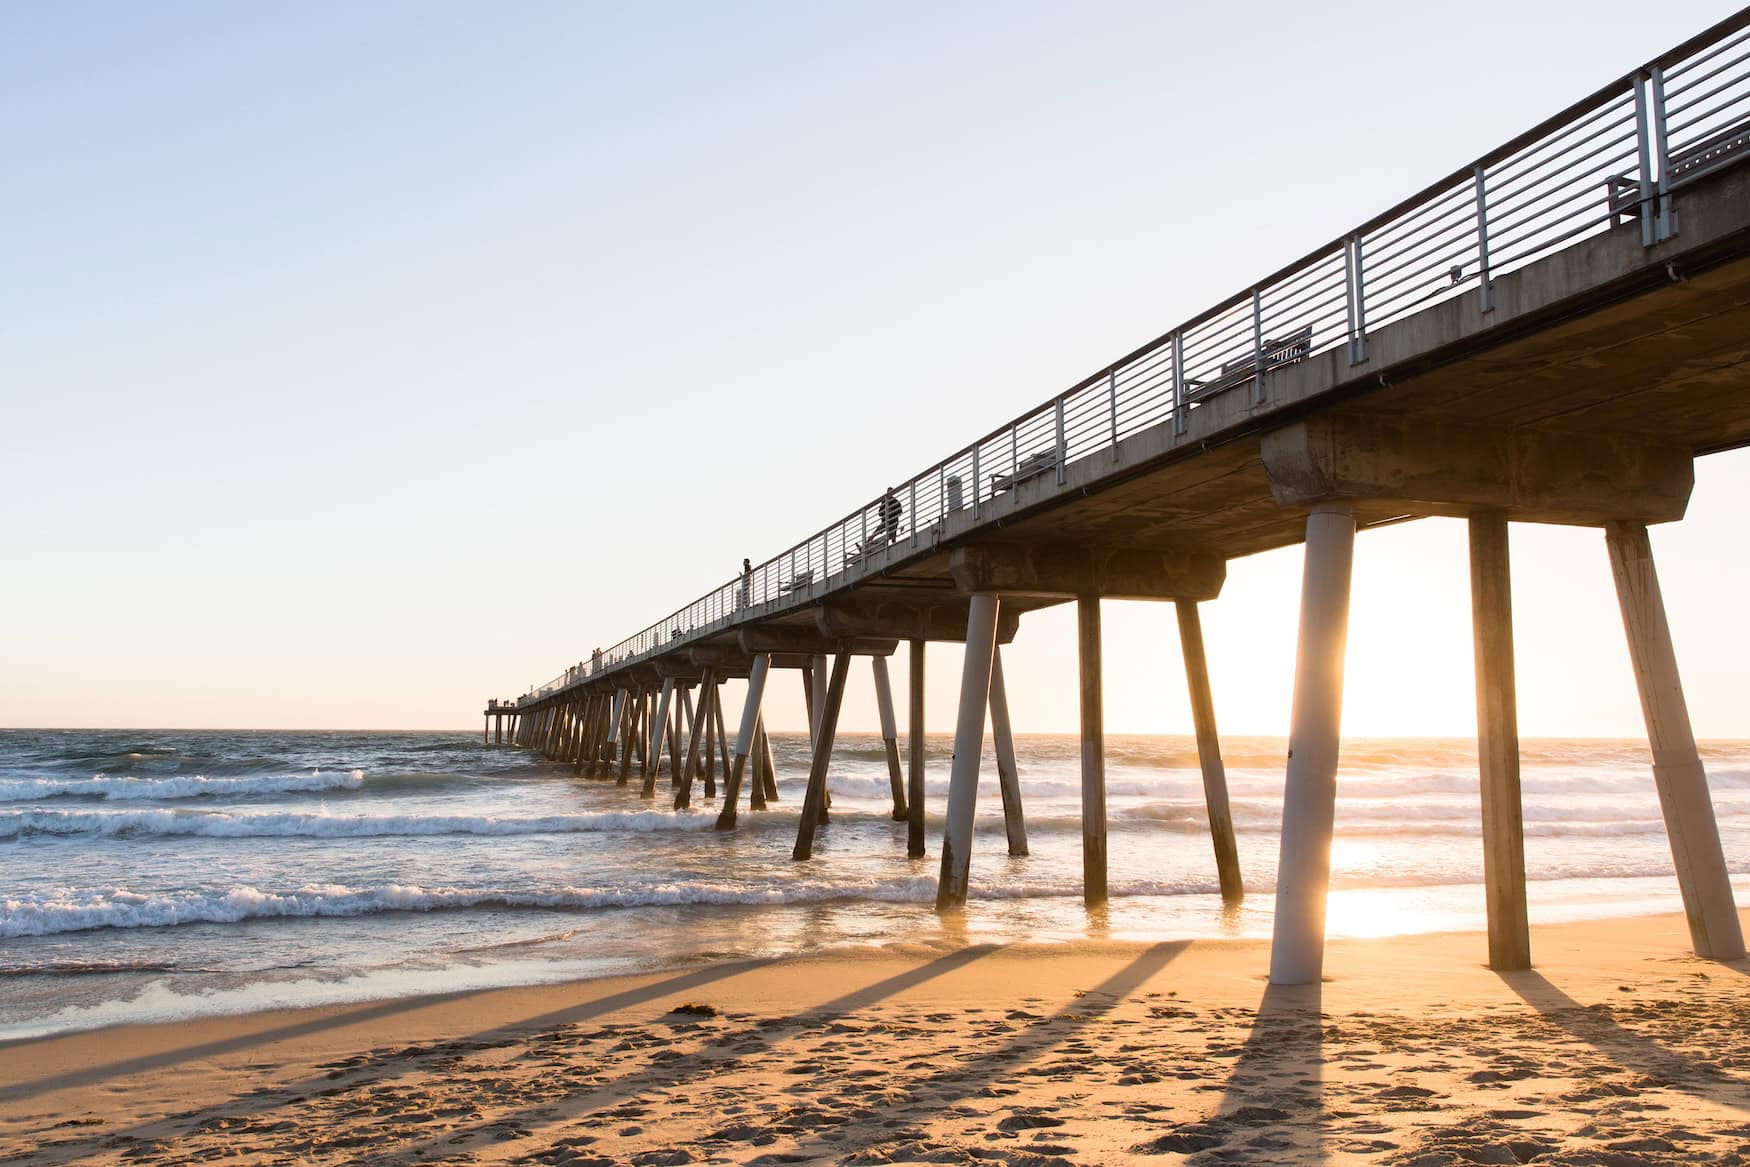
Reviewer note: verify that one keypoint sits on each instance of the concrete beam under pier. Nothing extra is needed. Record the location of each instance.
(1069, 571)
(1426, 466)
(778, 639)
(942, 618)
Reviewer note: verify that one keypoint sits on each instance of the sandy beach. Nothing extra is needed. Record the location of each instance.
(1620, 1049)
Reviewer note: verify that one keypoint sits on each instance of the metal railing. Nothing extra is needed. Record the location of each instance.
(1611, 158)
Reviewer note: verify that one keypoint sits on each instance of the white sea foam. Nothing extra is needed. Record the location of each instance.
(288, 824)
(123, 788)
(42, 914)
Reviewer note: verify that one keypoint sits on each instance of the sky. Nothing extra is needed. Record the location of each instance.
(361, 362)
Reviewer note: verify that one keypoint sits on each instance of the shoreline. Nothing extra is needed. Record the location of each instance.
(1618, 1037)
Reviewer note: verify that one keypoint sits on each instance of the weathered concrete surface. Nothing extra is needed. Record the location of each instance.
(809, 640)
(1045, 569)
(1434, 466)
(872, 613)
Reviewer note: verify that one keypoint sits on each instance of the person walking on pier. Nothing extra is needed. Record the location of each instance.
(887, 530)
(745, 596)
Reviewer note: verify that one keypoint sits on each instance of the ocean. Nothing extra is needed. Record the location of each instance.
(155, 875)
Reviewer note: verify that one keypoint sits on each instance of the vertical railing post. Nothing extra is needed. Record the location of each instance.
(913, 488)
(1257, 347)
(1014, 462)
(1357, 300)
(1665, 225)
(1112, 407)
(941, 492)
(1485, 289)
(975, 482)
(1179, 410)
(1646, 205)
(1062, 449)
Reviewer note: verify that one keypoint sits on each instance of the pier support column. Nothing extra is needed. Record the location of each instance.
(1303, 874)
(580, 731)
(658, 728)
(1221, 823)
(745, 740)
(1491, 599)
(701, 718)
(630, 735)
(814, 801)
(1093, 751)
(486, 731)
(1008, 778)
(1677, 770)
(682, 716)
(889, 734)
(914, 745)
(981, 643)
(708, 696)
(622, 712)
(768, 767)
(723, 745)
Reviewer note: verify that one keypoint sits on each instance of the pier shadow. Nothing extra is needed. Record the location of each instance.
(1675, 1068)
(941, 1091)
(1272, 1104)
(724, 1051)
(369, 1071)
(164, 1059)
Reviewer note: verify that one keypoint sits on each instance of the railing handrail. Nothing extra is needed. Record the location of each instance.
(1523, 234)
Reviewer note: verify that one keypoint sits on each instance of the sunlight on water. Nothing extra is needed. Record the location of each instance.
(155, 875)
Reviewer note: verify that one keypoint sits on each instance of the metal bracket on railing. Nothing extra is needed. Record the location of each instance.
(1357, 289)
(1178, 384)
(1485, 289)
(1061, 448)
(1257, 347)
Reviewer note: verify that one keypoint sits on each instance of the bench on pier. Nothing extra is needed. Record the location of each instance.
(1715, 152)
(798, 581)
(1032, 466)
(1275, 353)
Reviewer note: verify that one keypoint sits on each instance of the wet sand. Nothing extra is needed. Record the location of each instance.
(1619, 1050)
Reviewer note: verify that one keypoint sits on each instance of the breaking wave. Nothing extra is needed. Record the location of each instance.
(123, 789)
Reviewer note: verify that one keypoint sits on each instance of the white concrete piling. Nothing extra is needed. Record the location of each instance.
(1678, 774)
(981, 641)
(1303, 874)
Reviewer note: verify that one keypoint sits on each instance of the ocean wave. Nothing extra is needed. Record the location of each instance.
(47, 914)
(277, 824)
(122, 788)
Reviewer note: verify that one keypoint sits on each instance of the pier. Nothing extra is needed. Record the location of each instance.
(1551, 333)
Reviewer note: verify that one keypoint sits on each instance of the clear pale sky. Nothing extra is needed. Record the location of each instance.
(359, 362)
